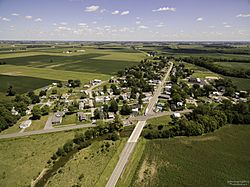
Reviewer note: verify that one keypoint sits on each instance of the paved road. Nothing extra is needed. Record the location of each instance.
(126, 153)
(43, 131)
(128, 149)
(154, 99)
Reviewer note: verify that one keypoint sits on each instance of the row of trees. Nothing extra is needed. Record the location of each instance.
(109, 131)
(205, 118)
(208, 64)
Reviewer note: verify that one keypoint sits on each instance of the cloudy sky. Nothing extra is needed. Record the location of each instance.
(147, 20)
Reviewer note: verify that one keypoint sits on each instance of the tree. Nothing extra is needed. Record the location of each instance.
(10, 91)
(35, 99)
(113, 106)
(97, 114)
(105, 89)
(42, 93)
(36, 112)
(45, 110)
(54, 91)
(126, 110)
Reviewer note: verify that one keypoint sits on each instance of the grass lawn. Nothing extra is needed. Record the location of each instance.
(69, 119)
(37, 124)
(163, 120)
(22, 84)
(89, 167)
(22, 159)
(209, 160)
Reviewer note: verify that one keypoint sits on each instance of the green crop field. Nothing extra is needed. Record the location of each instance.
(22, 84)
(209, 160)
(22, 159)
(234, 65)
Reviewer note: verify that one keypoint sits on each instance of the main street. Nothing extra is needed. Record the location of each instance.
(128, 149)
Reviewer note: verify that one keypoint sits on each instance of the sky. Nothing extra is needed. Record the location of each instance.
(125, 20)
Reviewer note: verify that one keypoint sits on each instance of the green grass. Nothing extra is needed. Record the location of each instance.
(22, 159)
(209, 160)
(87, 167)
(93, 61)
(22, 84)
(163, 120)
(241, 83)
(37, 124)
(69, 119)
(50, 73)
(234, 65)
(134, 160)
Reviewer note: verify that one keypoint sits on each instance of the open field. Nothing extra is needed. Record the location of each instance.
(50, 73)
(234, 65)
(90, 165)
(22, 159)
(209, 160)
(241, 83)
(163, 120)
(22, 84)
(38, 124)
(103, 61)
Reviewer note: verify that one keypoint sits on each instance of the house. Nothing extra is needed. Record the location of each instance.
(95, 81)
(57, 118)
(54, 84)
(179, 104)
(107, 98)
(43, 97)
(194, 80)
(14, 112)
(111, 115)
(81, 116)
(176, 115)
(99, 99)
(168, 88)
(81, 106)
(164, 96)
(25, 124)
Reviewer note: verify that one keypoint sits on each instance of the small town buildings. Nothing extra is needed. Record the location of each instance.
(57, 118)
(25, 124)
(81, 116)
(111, 115)
(176, 115)
(14, 112)
(99, 99)
(81, 105)
(165, 96)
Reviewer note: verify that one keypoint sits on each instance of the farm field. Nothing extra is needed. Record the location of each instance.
(234, 65)
(49, 73)
(91, 166)
(22, 159)
(22, 84)
(209, 160)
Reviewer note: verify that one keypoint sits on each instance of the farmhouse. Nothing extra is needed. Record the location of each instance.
(25, 124)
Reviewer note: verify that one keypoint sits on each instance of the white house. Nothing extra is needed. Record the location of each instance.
(25, 124)
(176, 114)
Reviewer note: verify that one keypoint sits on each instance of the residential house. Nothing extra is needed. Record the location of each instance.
(57, 118)
(111, 115)
(25, 124)
(81, 116)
